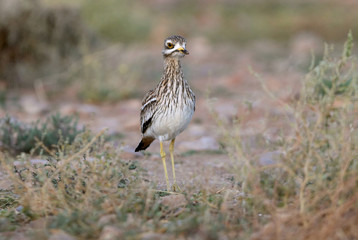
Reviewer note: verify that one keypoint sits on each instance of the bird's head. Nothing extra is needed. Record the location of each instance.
(174, 46)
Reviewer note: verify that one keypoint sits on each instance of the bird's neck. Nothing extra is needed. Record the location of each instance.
(172, 76)
(172, 69)
(172, 79)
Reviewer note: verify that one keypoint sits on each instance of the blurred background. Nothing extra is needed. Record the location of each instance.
(260, 158)
(40, 38)
(83, 56)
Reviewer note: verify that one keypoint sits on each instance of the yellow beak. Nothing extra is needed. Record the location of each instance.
(181, 49)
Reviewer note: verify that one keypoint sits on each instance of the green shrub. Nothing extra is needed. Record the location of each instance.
(81, 183)
(37, 40)
(17, 137)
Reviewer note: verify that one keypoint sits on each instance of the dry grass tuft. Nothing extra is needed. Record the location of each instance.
(310, 191)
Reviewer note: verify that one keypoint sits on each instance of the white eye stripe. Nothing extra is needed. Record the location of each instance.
(167, 51)
(178, 45)
(168, 42)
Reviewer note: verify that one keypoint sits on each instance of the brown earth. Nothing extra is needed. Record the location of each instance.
(222, 81)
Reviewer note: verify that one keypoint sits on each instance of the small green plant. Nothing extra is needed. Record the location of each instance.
(332, 78)
(6, 199)
(17, 137)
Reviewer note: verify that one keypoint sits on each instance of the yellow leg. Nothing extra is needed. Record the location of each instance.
(162, 154)
(171, 150)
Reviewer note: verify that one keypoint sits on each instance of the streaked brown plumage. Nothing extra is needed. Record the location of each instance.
(167, 110)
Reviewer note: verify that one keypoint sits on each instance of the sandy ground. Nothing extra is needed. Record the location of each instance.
(222, 81)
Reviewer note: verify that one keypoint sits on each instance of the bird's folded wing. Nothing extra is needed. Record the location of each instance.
(148, 110)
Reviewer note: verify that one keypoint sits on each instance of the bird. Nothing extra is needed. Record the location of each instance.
(167, 110)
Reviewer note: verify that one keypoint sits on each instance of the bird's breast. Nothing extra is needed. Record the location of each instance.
(172, 119)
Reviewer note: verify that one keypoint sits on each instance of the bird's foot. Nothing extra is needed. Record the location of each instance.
(176, 188)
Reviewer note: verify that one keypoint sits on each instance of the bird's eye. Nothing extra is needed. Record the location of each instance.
(170, 45)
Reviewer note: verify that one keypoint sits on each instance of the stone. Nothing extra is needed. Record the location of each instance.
(106, 219)
(111, 232)
(152, 235)
(174, 201)
(31, 105)
(17, 236)
(37, 224)
(84, 110)
(67, 108)
(61, 235)
(269, 158)
(87, 109)
(34, 161)
(203, 143)
(128, 152)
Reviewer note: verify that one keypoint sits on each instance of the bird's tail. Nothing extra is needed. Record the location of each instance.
(144, 143)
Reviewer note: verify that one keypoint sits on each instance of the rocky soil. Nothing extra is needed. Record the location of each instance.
(224, 83)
